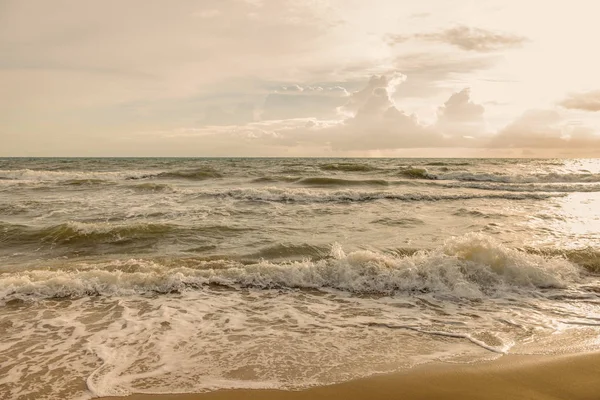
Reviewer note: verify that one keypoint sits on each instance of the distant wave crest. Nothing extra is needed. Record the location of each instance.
(301, 195)
(347, 167)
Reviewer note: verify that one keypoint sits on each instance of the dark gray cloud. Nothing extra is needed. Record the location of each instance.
(588, 101)
(468, 38)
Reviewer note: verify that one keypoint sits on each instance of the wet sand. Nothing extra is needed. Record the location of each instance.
(572, 377)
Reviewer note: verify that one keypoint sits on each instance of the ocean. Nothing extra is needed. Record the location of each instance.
(159, 275)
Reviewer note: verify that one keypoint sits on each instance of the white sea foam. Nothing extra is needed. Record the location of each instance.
(160, 329)
(212, 339)
(472, 266)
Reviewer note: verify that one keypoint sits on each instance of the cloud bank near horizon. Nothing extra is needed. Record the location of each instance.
(372, 122)
(283, 77)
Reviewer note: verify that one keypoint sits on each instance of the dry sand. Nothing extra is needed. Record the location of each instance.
(574, 377)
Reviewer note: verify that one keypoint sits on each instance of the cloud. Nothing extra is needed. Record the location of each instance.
(544, 129)
(295, 101)
(374, 122)
(588, 101)
(386, 86)
(468, 38)
(377, 123)
(176, 51)
(459, 116)
(428, 73)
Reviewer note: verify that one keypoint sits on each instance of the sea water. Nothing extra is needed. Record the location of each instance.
(156, 275)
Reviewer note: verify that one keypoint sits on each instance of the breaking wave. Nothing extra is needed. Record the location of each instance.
(195, 174)
(447, 164)
(78, 178)
(525, 187)
(416, 173)
(272, 179)
(152, 187)
(463, 176)
(73, 233)
(192, 174)
(325, 181)
(288, 251)
(288, 195)
(347, 167)
(86, 182)
(534, 178)
(81, 232)
(472, 266)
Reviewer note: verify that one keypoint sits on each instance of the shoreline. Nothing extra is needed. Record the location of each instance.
(572, 377)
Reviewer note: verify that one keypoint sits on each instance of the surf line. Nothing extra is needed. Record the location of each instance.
(483, 345)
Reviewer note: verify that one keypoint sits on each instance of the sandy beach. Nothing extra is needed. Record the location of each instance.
(573, 377)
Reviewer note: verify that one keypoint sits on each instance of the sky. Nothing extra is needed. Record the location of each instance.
(295, 78)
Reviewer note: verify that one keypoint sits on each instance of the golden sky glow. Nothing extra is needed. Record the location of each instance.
(299, 78)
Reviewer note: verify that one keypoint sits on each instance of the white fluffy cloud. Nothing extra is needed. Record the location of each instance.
(460, 116)
(374, 123)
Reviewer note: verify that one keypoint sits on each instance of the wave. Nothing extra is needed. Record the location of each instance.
(472, 266)
(416, 173)
(325, 181)
(287, 251)
(191, 174)
(525, 187)
(481, 177)
(587, 258)
(70, 177)
(152, 187)
(407, 221)
(293, 195)
(106, 177)
(82, 232)
(73, 233)
(347, 167)
(196, 174)
(447, 164)
(86, 182)
(13, 209)
(272, 179)
(470, 213)
(534, 178)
